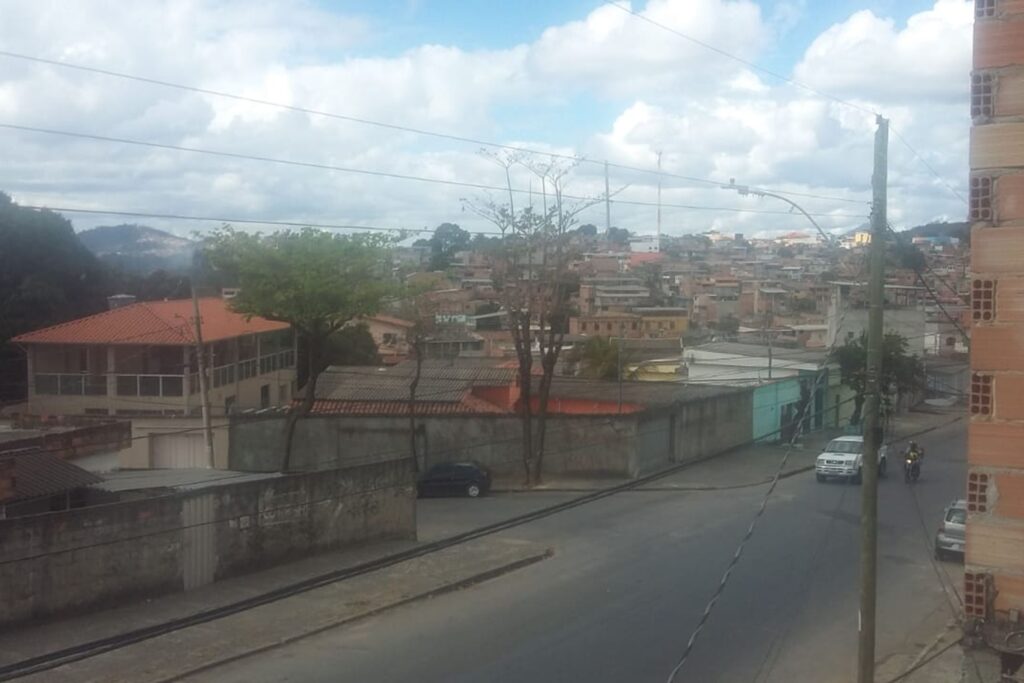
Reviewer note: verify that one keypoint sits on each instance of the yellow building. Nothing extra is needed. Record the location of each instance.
(662, 321)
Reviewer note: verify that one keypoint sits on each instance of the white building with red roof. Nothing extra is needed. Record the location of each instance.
(139, 361)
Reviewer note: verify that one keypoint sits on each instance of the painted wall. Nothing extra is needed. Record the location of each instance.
(769, 407)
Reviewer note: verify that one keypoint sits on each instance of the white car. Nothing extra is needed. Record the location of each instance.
(842, 458)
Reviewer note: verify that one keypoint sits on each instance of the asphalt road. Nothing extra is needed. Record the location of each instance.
(631, 575)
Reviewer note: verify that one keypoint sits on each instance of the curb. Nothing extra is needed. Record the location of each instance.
(467, 582)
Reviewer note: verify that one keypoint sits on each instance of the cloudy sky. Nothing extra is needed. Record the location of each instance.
(575, 77)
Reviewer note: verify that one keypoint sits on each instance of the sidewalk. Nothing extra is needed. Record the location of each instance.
(196, 648)
(747, 466)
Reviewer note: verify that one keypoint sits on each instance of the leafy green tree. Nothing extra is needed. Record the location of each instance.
(448, 239)
(598, 358)
(618, 235)
(46, 277)
(901, 371)
(313, 280)
(352, 345)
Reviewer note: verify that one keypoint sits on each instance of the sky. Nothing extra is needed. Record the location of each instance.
(789, 107)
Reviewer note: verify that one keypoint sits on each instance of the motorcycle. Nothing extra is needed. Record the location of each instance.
(911, 469)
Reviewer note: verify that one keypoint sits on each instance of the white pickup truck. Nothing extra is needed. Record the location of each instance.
(843, 458)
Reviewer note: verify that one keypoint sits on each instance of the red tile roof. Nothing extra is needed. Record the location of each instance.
(153, 322)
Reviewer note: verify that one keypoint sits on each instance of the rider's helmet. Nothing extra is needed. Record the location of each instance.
(913, 445)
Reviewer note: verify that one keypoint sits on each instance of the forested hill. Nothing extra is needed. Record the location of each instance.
(138, 248)
(48, 276)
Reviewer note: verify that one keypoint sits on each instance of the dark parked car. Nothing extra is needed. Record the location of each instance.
(455, 479)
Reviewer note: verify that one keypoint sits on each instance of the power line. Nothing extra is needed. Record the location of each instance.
(786, 79)
(380, 174)
(391, 126)
(935, 296)
(931, 168)
(741, 60)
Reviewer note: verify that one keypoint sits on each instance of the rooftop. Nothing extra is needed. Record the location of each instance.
(184, 479)
(153, 322)
(761, 351)
(39, 473)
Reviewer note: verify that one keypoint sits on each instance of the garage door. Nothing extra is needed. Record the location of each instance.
(175, 451)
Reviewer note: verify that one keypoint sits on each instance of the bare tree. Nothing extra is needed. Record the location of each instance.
(421, 310)
(536, 284)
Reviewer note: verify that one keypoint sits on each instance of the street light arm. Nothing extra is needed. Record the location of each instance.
(824, 235)
(745, 190)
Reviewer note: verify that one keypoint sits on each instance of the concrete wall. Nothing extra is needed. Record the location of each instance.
(707, 427)
(99, 556)
(598, 445)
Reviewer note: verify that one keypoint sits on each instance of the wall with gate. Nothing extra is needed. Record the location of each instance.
(99, 556)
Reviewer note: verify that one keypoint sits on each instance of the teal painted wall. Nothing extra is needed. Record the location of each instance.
(769, 400)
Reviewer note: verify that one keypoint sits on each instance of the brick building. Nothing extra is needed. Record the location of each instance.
(994, 571)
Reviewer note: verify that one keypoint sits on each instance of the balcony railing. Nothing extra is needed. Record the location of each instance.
(150, 385)
(245, 369)
(68, 384)
(85, 384)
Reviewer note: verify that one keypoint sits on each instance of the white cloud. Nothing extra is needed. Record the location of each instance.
(710, 116)
(868, 57)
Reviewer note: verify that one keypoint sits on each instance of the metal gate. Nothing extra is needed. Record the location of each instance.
(198, 556)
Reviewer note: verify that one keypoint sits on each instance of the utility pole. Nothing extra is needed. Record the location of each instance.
(618, 349)
(204, 393)
(872, 424)
(607, 201)
(659, 200)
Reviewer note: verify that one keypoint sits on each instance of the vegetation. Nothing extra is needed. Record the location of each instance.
(902, 371)
(48, 276)
(598, 358)
(315, 281)
(533, 278)
(448, 239)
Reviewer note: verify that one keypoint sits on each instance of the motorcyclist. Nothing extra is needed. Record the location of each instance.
(914, 456)
(915, 452)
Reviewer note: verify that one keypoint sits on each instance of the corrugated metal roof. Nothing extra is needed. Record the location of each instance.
(153, 322)
(470, 406)
(44, 474)
(761, 351)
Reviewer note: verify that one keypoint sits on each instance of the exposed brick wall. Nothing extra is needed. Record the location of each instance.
(99, 556)
(994, 578)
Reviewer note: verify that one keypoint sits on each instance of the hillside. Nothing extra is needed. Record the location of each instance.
(138, 248)
(958, 229)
